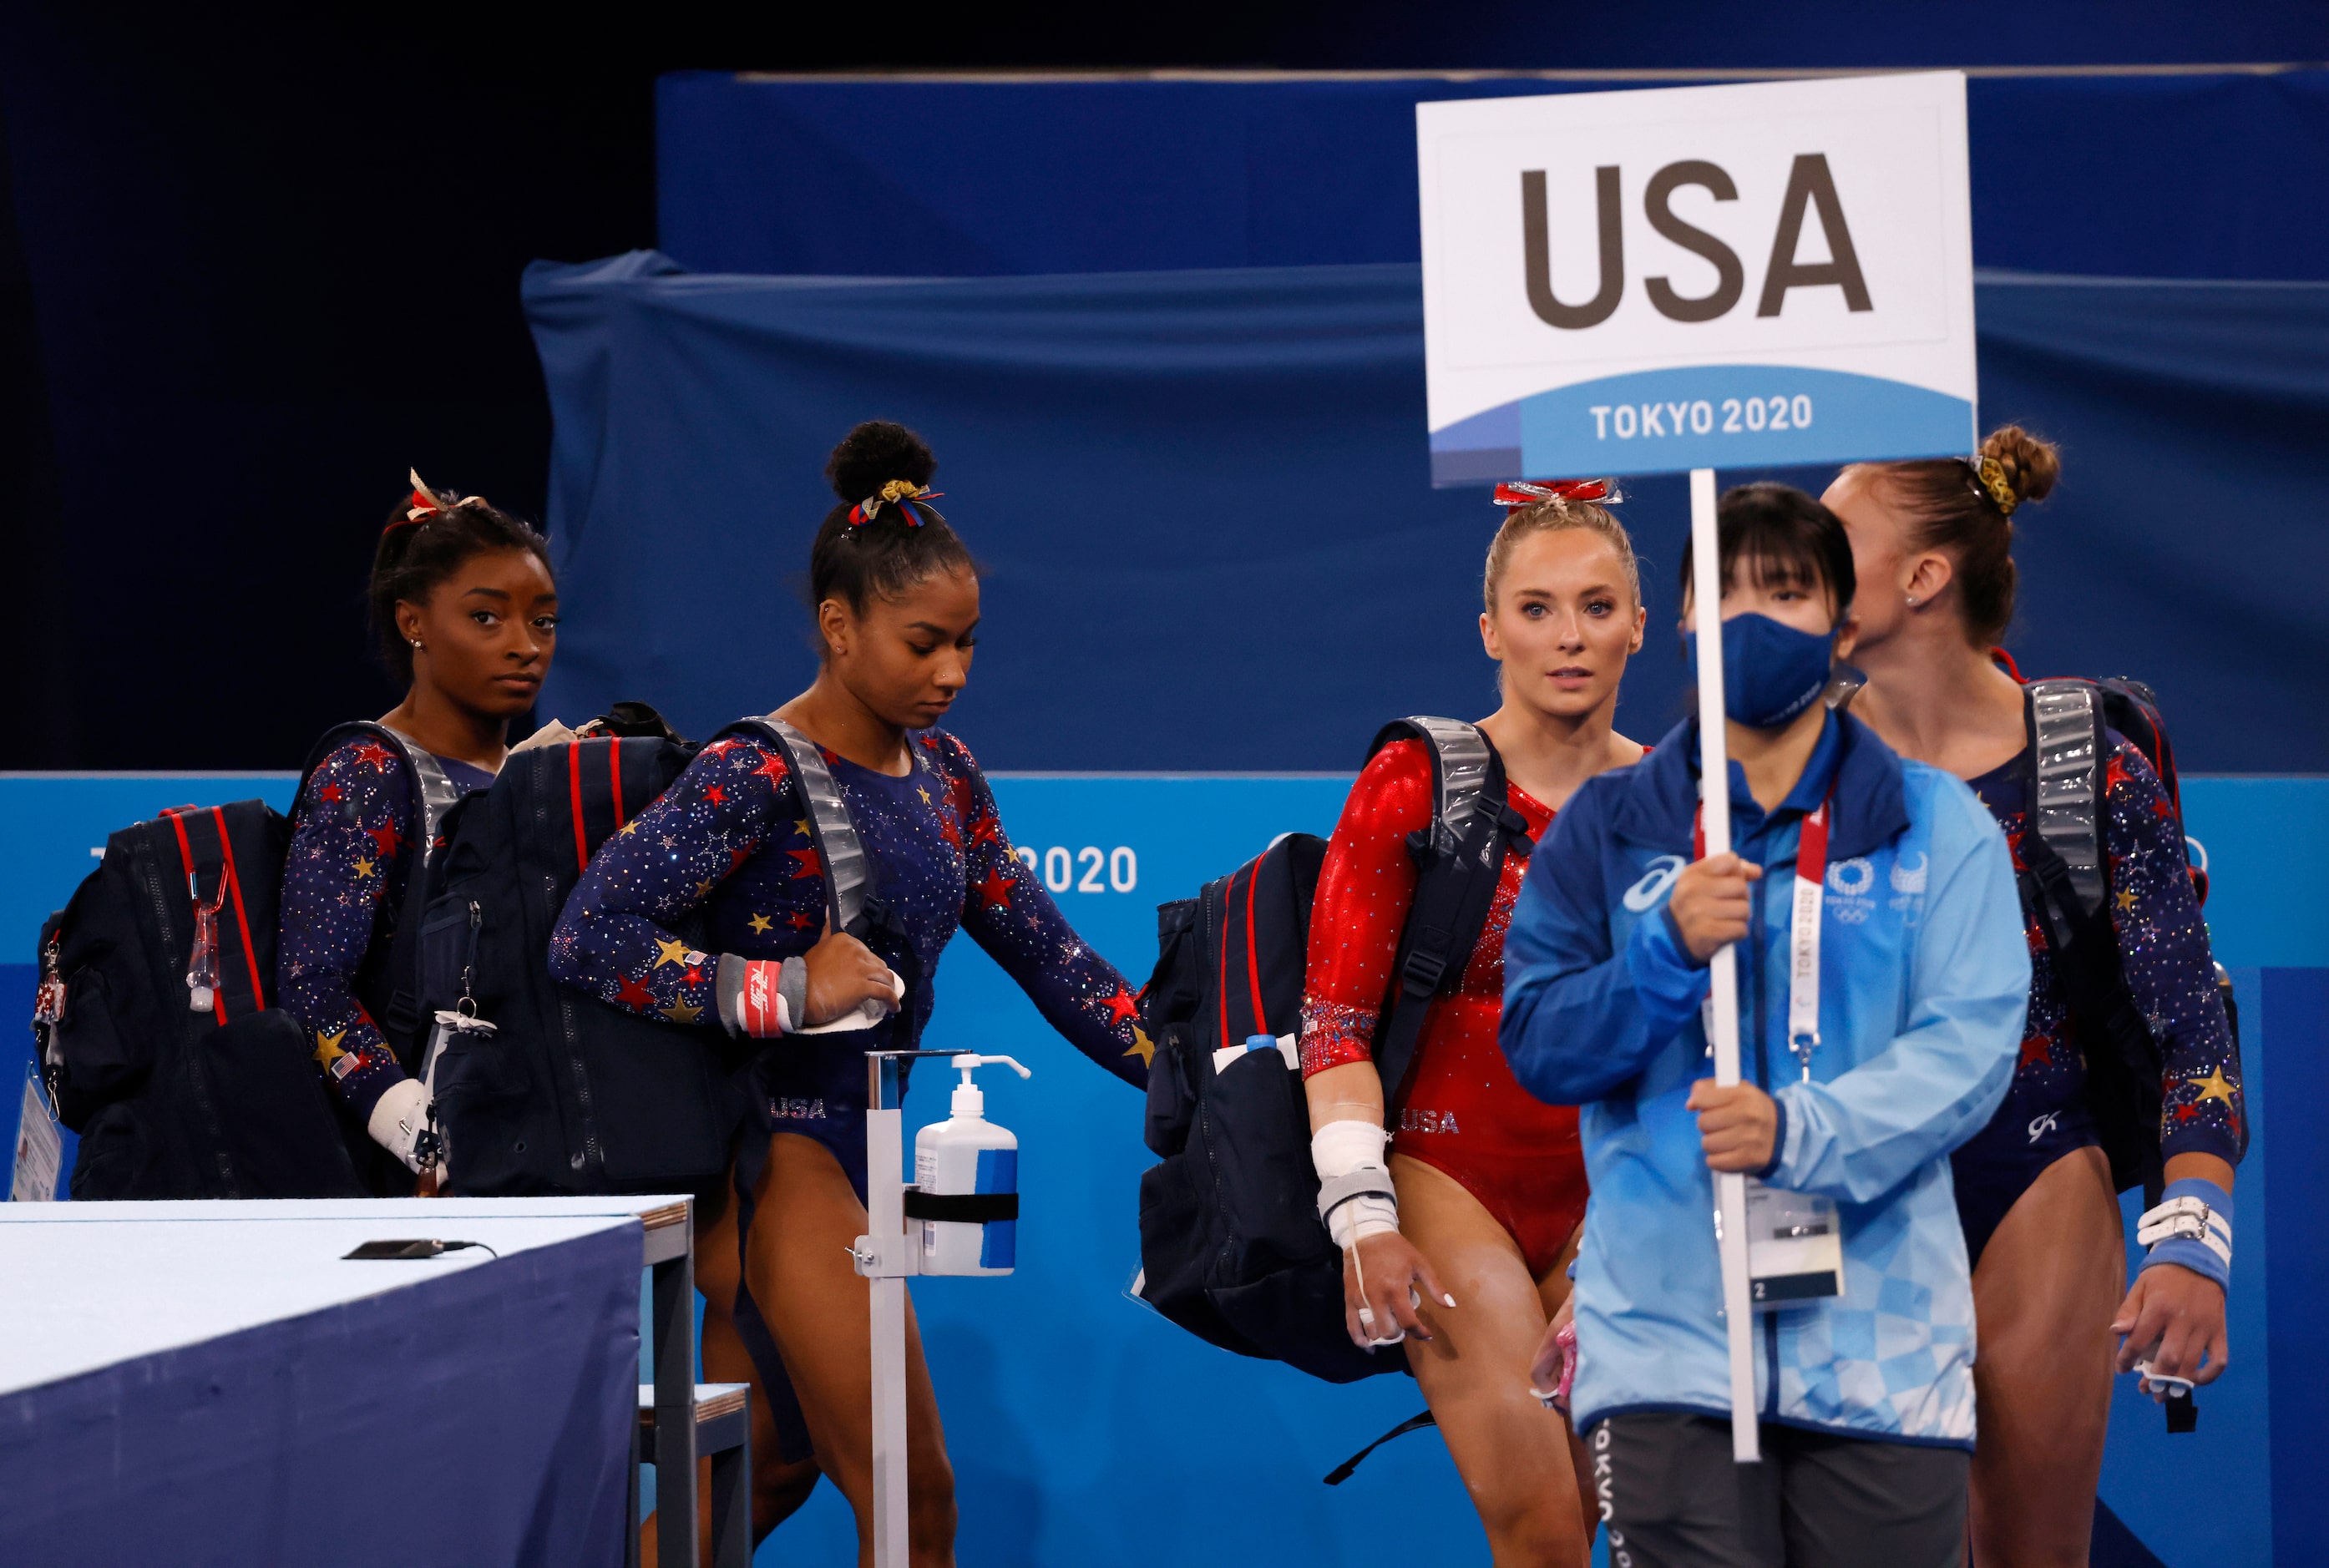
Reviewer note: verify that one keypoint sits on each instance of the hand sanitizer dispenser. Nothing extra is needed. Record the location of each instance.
(966, 1193)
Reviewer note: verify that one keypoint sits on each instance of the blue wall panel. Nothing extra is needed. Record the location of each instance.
(1070, 1409)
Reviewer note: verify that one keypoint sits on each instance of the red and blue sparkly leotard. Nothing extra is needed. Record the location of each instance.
(343, 879)
(1463, 1113)
(730, 839)
(2163, 952)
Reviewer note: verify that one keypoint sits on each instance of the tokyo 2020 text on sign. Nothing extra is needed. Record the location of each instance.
(1697, 277)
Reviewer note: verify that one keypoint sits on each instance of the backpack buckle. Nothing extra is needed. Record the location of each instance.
(1419, 975)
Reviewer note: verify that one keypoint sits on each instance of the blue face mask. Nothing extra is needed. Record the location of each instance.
(1770, 672)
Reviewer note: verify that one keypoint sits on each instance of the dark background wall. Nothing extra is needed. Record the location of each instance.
(257, 261)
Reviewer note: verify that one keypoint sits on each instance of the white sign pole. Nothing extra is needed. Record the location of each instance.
(1714, 773)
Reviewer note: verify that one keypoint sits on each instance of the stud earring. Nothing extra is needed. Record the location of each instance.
(416, 641)
(1913, 604)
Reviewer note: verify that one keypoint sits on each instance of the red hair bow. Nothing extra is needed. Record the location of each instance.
(1530, 492)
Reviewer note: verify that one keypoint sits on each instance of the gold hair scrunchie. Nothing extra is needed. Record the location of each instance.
(2000, 488)
(903, 494)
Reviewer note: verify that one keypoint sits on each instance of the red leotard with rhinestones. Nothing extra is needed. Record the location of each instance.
(1462, 1113)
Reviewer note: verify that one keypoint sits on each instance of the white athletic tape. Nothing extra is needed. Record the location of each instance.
(1346, 1154)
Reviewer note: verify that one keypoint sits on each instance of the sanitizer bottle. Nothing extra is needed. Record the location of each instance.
(967, 1184)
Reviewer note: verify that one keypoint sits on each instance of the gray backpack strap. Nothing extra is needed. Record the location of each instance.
(1462, 772)
(845, 870)
(2065, 732)
(435, 789)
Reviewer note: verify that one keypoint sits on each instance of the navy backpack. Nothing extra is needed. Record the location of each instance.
(1231, 1246)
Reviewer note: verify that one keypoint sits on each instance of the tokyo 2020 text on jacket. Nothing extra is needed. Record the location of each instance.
(1924, 977)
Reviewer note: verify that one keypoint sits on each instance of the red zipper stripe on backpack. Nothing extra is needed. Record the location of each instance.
(186, 858)
(575, 797)
(1252, 959)
(241, 920)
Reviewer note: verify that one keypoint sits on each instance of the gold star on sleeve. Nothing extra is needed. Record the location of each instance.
(630, 827)
(2125, 900)
(800, 826)
(2214, 1086)
(364, 868)
(760, 925)
(327, 1047)
(703, 889)
(679, 1012)
(1142, 1047)
(671, 952)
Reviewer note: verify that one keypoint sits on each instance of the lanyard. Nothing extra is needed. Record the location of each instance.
(1803, 927)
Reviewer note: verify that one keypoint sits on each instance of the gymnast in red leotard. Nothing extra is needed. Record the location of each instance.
(1461, 1114)
(1490, 1182)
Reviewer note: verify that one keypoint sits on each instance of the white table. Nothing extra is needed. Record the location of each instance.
(198, 1382)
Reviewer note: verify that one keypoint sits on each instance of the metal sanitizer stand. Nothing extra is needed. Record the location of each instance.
(887, 1258)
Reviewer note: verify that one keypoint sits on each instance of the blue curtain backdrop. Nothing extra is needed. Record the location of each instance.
(2207, 175)
(1203, 500)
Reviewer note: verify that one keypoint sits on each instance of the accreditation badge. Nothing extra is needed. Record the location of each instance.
(1795, 1247)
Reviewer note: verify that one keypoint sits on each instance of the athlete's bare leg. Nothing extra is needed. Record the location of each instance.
(1512, 1453)
(778, 1489)
(2043, 1295)
(805, 1219)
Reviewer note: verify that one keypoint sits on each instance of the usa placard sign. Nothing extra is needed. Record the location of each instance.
(1697, 277)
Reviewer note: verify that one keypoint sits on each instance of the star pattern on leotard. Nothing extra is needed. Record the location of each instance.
(741, 867)
(2164, 953)
(771, 901)
(997, 888)
(345, 873)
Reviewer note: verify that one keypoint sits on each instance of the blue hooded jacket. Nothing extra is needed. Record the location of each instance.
(1924, 976)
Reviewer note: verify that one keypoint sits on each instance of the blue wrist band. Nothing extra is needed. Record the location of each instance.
(2193, 1229)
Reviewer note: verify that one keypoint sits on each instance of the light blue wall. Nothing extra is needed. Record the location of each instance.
(1083, 1428)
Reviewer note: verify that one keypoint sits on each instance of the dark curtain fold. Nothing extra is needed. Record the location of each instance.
(1212, 542)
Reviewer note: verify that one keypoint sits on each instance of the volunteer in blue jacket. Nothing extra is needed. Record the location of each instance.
(1919, 979)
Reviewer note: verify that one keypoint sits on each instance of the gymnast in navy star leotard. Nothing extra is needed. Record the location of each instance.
(1933, 543)
(734, 823)
(730, 845)
(467, 612)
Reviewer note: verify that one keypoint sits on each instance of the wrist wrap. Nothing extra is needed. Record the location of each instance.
(2192, 1228)
(1355, 1197)
(752, 1000)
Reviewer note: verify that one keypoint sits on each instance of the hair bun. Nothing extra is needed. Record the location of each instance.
(875, 453)
(2032, 465)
